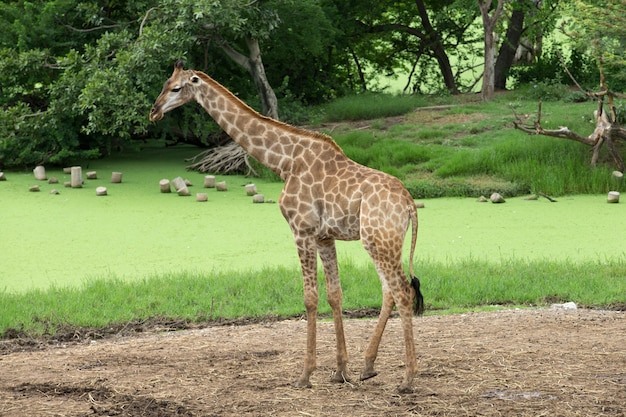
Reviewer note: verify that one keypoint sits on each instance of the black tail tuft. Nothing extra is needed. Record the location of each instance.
(418, 303)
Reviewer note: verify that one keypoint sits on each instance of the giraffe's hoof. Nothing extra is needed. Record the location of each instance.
(339, 377)
(368, 374)
(302, 384)
(405, 389)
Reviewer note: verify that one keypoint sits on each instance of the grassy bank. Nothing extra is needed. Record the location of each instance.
(457, 286)
(467, 148)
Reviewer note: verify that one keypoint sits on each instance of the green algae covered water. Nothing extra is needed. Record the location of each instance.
(136, 231)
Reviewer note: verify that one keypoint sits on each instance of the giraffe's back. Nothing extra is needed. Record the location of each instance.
(340, 197)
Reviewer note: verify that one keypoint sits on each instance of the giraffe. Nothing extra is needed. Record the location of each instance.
(326, 197)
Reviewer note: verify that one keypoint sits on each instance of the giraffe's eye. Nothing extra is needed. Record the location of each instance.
(176, 89)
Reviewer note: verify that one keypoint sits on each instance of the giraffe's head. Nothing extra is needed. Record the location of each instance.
(177, 91)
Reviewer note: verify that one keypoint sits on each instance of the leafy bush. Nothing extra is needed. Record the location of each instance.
(549, 69)
(543, 91)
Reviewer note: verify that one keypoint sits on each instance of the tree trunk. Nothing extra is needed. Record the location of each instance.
(269, 103)
(254, 65)
(359, 69)
(434, 43)
(487, 89)
(506, 55)
(489, 25)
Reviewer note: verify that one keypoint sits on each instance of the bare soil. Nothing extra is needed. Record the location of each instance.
(509, 363)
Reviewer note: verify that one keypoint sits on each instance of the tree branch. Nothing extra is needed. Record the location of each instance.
(605, 132)
(235, 55)
(145, 17)
(562, 132)
(117, 25)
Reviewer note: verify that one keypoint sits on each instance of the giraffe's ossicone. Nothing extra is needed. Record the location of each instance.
(326, 197)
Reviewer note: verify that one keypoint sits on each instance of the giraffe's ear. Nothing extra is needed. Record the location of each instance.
(195, 78)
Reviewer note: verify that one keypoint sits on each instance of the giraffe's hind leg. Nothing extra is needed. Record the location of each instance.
(404, 301)
(372, 349)
(328, 255)
(396, 290)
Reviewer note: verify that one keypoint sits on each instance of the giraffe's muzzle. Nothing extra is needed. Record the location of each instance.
(155, 114)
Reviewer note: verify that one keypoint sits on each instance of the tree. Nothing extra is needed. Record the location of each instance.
(254, 65)
(303, 53)
(527, 22)
(385, 35)
(608, 130)
(490, 19)
(64, 99)
(509, 46)
(597, 26)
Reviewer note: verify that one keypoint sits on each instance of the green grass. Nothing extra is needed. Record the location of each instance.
(370, 106)
(472, 149)
(456, 286)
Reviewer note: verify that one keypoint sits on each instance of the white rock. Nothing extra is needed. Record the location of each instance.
(565, 306)
(496, 198)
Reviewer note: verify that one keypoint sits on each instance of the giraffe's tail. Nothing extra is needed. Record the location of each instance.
(418, 302)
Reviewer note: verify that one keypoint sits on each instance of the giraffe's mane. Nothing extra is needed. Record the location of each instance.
(283, 126)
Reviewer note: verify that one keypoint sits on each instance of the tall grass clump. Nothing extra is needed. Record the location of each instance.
(469, 283)
(370, 106)
(200, 297)
(396, 157)
(550, 165)
(186, 295)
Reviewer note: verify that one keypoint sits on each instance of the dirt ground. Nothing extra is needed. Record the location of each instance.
(511, 363)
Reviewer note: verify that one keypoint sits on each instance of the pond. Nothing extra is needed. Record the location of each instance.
(136, 231)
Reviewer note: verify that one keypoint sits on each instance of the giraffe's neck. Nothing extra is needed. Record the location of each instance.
(271, 142)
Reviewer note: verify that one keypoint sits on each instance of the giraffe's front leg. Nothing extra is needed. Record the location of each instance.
(328, 255)
(308, 259)
(311, 335)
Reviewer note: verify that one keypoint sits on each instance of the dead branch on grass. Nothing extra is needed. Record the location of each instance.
(227, 159)
(607, 131)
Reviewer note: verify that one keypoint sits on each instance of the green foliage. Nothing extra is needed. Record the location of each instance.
(90, 72)
(87, 99)
(464, 187)
(596, 27)
(550, 77)
(531, 165)
(544, 91)
(523, 282)
(307, 76)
